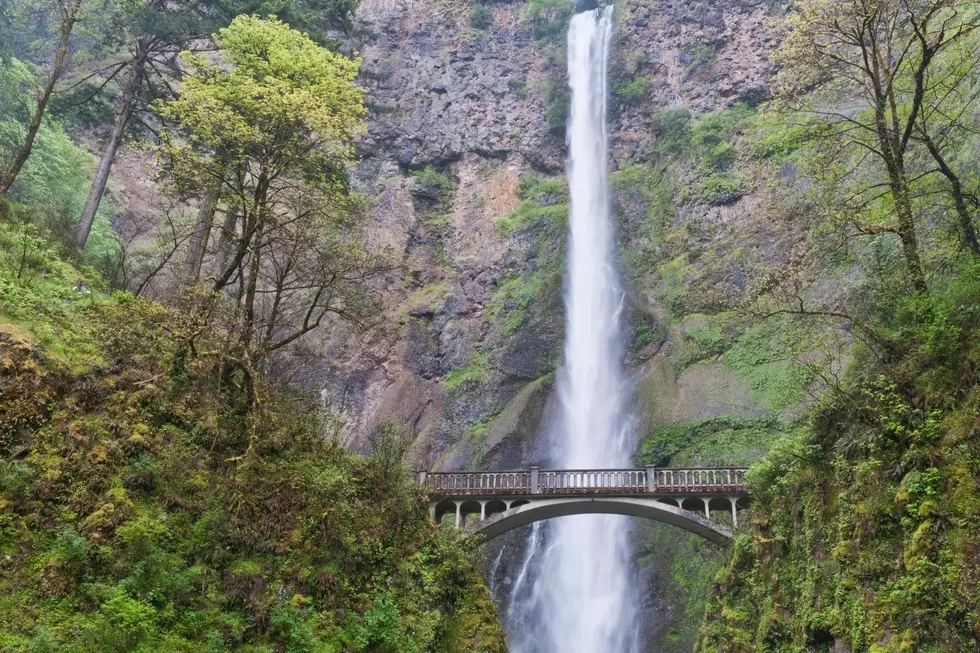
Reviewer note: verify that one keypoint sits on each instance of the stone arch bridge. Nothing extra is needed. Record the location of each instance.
(491, 503)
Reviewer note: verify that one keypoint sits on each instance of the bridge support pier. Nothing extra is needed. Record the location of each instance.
(707, 510)
(734, 503)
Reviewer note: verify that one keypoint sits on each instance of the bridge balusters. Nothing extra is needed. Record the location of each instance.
(700, 480)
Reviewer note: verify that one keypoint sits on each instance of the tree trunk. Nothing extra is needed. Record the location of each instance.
(906, 231)
(202, 233)
(68, 20)
(967, 231)
(224, 239)
(126, 105)
(893, 156)
(254, 265)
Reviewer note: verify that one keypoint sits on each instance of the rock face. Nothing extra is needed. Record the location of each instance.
(461, 120)
(473, 106)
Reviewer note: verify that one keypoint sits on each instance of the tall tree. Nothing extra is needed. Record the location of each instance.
(863, 65)
(68, 13)
(269, 131)
(152, 33)
(948, 118)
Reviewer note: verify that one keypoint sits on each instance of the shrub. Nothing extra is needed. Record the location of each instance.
(633, 92)
(673, 130)
(481, 17)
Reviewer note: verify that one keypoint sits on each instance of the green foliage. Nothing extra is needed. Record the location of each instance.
(865, 522)
(433, 186)
(559, 108)
(516, 297)
(517, 84)
(137, 513)
(711, 135)
(481, 17)
(702, 342)
(643, 199)
(427, 299)
(277, 103)
(770, 356)
(549, 19)
(50, 190)
(720, 441)
(673, 130)
(544, 205)
(709, 139)
(632, 92)
(477, 371)
(702, 56)
(717, 188)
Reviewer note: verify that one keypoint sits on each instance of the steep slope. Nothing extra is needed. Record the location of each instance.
(865, 529)
(142, 509)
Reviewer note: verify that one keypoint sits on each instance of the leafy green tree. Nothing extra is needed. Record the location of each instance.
(150, 34)
(67, 13)
(268, 132)
(862, 65)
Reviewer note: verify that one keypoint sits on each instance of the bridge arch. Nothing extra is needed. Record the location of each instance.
(647, 508)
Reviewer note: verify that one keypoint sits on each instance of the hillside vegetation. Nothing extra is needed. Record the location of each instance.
(144, 507)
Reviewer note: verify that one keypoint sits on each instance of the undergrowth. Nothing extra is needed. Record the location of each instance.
(140, 511)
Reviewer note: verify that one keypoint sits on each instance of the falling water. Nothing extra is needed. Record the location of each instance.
(583, 599)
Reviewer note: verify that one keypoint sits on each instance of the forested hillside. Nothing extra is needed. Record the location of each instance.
(162, 485)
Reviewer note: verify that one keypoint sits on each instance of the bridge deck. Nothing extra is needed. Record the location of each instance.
(571, 482)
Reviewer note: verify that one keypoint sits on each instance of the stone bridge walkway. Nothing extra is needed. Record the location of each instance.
(492, 503)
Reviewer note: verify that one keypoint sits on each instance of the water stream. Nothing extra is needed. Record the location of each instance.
(583, 599)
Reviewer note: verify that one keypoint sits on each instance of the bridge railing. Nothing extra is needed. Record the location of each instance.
(585, 481)
(491, 483)
(592, 481)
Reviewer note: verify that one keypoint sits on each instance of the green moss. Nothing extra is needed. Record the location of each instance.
(476, 372)
(769, 355)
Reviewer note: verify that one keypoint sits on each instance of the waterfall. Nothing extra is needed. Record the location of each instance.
(584, 600)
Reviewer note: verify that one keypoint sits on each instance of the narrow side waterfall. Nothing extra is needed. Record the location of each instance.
(583, 599)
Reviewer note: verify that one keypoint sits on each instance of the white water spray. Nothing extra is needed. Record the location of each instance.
(584, 600)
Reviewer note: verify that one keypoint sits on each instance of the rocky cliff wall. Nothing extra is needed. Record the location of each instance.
(460, 122)
(464, 163)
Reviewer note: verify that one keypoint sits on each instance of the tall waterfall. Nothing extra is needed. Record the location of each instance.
(583, 600)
